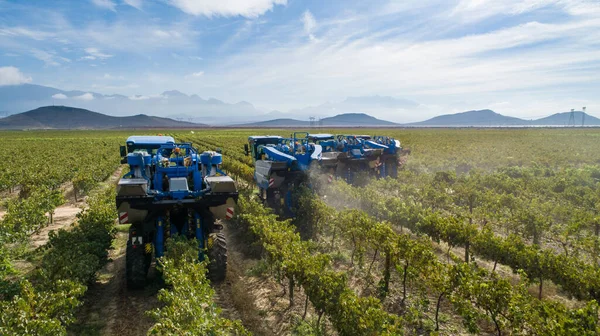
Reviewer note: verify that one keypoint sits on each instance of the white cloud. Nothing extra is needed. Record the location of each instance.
(49, 57)
(246, 8)
(310, 24)
(475, 10)
(106, 37)
(182, 57)
(427, 65)
(37, 35)
(111, 77)
(145, 37)
(12, 76)
(195, 74)
(94, 53)
(134, 3)
(107, 4)
(59, 96)
(167, 34)
(86, 96)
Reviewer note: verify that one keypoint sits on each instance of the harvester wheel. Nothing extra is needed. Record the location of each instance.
(217, 254)
(136, 266)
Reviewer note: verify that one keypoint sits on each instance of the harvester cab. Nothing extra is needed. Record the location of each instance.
(172, 189)
(329, 153)
(280, 165)
(390, 159)
(354, 156)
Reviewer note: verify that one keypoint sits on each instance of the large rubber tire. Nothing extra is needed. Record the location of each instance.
(136, 266)
(217, 254)
(272, 201)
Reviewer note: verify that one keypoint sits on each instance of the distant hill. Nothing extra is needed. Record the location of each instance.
(562, 119)
(64, 117)
(484, 118)
(281, 122)
(472, 118)
(18, 98)
(340, 120)
(355, 119)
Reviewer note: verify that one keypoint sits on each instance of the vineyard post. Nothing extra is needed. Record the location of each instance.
(384, 288)
(291, 284)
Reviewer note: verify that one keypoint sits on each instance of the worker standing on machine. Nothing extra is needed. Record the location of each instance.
(174, 155)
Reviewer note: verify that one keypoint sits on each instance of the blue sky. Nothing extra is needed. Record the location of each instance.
(524, 58)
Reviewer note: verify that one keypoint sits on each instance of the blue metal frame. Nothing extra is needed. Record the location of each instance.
(155, 152)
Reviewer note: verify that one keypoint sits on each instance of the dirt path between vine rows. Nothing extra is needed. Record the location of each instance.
(110, 308)
(66, 214)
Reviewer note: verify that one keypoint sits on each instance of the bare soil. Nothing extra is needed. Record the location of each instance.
(261, 302)
(110, 308)
(63, 216)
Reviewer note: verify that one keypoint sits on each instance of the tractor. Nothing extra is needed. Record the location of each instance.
(390, 159)
(283, 164)
(280, 165)
(349, 154)
(172, 189)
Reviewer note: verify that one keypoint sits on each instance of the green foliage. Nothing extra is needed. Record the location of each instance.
(41, 312)
(310, 327)
(189, 307)
(26, 216)
(463, 188)
(91, 154)
(575, 276)
(327, 290)
(46, 305)
(77, 254)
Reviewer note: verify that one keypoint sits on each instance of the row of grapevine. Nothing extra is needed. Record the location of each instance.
(188, 302)
(574, 276)
(555, 208)
(49, 162)
(325, 288)
(25, 216)
(452, 228)
(45, 302)
(38, 167)
(474, 293)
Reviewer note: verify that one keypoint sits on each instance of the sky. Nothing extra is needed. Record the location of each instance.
(525, 58)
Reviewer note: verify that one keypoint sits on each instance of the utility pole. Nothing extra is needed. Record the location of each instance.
(583, 117)
(572, 118)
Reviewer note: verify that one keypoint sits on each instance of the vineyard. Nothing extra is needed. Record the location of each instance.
(492, 232)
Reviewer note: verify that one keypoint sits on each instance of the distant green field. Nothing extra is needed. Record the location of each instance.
(432, 149)
(462, 149)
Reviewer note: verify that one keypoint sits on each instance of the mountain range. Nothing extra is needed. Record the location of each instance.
(64, 117)
(489, 118)
(192, 108)
(340, 120)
